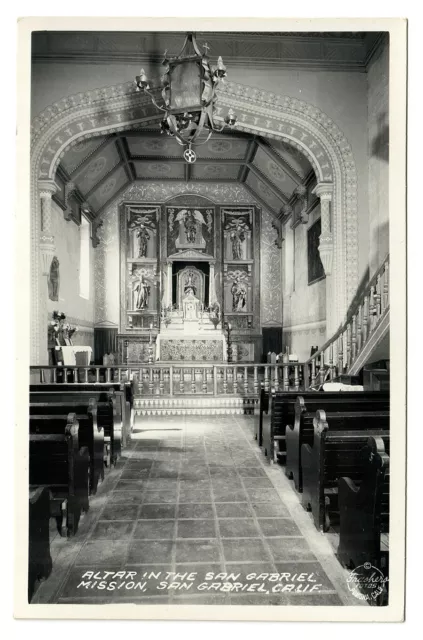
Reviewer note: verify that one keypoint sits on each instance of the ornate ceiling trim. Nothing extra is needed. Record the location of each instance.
(336, 51)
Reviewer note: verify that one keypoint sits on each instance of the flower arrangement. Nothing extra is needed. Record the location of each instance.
(59, 330)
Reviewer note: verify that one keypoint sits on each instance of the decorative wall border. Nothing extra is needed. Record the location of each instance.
(107, 110)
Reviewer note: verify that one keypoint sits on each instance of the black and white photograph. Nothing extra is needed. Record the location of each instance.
(215, 252)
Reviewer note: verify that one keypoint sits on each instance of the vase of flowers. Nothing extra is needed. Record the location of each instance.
(60, 332)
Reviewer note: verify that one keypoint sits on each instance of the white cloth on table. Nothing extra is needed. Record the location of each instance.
(339, 386)
(69, 358)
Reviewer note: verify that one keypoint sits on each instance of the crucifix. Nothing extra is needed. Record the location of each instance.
(206, 47)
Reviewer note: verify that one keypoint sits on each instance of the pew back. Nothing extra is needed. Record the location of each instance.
(336, 451)
(47, 417)
(109, 414)
(57, 462)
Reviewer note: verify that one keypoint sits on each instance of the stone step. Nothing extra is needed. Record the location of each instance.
(196, 405)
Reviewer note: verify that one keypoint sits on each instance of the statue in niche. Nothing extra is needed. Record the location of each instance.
(190, 234)
(190, 285)
(239, 295)
(143, 237)
(237, 234)
(190, 227)
(143, 292)
(191, 305)
(54, 280)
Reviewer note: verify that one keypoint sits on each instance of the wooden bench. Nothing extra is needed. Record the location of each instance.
(57, 463)
(109, 415)
(364, 511)
(39, 558)
(300, 416)
(90, 434)
(337, 442)
(124, 395)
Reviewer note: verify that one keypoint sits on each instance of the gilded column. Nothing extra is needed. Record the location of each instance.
(212, 290)
(169, 284)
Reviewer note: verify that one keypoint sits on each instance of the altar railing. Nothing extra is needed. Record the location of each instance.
(171, 380)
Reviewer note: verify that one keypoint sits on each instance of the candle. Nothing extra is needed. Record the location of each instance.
(151, 326)
(230, 327)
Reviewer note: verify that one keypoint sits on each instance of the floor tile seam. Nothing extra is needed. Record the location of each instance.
(307, 532)
(175, 526)
(216, 525)
(266, 546)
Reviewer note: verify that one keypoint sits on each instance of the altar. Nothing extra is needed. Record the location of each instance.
(189, 333)
(204, 348)
(182, 288)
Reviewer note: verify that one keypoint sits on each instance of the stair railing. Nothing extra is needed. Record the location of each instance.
(365, 315)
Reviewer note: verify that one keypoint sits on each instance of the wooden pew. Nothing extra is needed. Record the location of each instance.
(91, 433)
(300, 417)
(109, 415)
(337, 441)
(124, 396)
(39, 558)
(280, 406)
(57, 462)
(364, 510)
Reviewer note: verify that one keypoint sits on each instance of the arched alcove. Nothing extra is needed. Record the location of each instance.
(112, 109)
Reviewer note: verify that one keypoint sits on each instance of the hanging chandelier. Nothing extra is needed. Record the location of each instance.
(189, 86)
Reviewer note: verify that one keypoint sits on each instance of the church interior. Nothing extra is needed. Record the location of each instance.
(209, 379)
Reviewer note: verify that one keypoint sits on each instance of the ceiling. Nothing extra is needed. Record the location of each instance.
(100, 168)
(336, 51)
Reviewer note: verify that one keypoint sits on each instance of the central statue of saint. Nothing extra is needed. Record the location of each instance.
(191, 305)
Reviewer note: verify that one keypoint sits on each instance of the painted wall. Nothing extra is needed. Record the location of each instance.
(378, 141)
(304, 305)
(79, 311)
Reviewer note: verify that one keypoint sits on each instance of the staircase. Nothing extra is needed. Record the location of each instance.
(364, 336)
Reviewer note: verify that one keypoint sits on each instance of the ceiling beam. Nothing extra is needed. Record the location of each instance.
(104, 178)
(90, 156)
(261, 201)
(181, 160)
(123, 151)
(156, 133)
(115, 195)
(277, 158)
(249, 157)
(269, 184)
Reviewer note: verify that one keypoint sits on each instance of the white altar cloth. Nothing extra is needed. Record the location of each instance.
(69, 358)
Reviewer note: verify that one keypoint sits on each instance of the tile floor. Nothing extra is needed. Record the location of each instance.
(191, 497)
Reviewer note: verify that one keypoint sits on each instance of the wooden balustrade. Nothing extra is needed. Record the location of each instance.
(175, 380)
(349, 341)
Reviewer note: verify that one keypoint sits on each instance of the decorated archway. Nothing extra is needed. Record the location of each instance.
(108, 110)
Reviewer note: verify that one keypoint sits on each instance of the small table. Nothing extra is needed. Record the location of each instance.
(70, 356)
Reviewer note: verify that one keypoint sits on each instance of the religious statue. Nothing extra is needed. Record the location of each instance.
(190, 228)
(54, 280)
(143, 291)
(237, 229)
(237, 237)
(191, 305)
(144, 237)
(239, 295)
